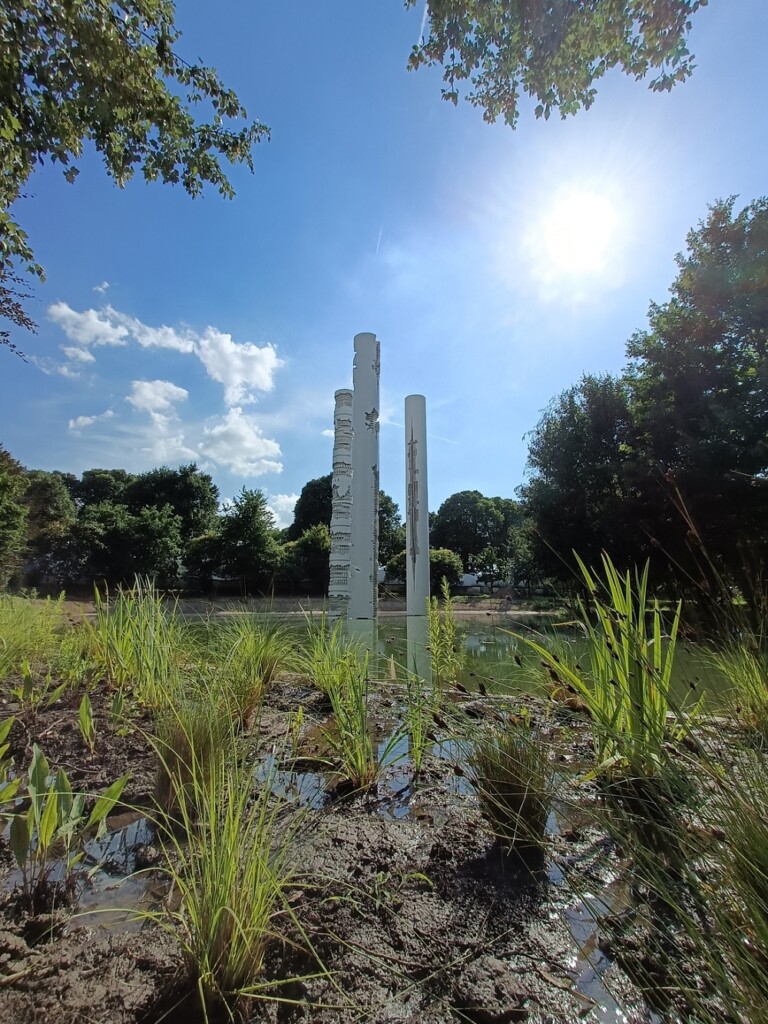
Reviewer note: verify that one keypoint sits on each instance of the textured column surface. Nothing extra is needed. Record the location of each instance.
(363, 589)
(341, 506)
(416, 507)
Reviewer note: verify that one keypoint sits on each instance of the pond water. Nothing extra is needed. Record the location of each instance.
(496, 656)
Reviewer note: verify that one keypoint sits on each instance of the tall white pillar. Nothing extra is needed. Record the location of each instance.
(417, 507)
(341, 506)
(363, 589)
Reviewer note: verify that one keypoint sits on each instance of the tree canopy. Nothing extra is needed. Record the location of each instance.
(672, 456)
(107, 74)
(498, 51)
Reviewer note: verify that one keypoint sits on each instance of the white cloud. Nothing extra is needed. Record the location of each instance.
(156, 396)
(153, 337)
(237, 442)
(242, 368)
(89, 327)
(329, 433)
(282, 506)
(168, 450)
(81, 422)
(101, 288)
(81, 355)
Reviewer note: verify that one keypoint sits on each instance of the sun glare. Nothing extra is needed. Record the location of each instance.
(575, 234)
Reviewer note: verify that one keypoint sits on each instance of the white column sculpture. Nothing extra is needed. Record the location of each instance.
(363, 589)
(417, 508)
(341, 506)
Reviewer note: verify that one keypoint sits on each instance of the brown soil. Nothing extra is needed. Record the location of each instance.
(405, 898)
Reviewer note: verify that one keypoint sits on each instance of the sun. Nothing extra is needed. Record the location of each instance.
(575, 235)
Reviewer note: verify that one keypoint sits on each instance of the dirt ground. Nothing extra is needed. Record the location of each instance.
(403, 895)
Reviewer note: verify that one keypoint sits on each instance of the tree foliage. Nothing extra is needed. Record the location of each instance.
(674, 455)
(467, 522)
(249, 549)
(498, 51)
(442, 563)
(313, 507)
(105, 73)
(191, 494)
(13, 516)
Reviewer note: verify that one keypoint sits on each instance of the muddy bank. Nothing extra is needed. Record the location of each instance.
(402, 896)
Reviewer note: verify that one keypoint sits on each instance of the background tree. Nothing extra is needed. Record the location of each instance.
(249, 549)
(467, 522)
(441, 563)
(312, 508)
(13, 516)
(578, 493)
(191, 494)
(552, 52)
(109, 542)
(391, 528)
(50, 513)
(305, 563)
(699, 385)
(97, 485)
(105, 73)
(672, 458)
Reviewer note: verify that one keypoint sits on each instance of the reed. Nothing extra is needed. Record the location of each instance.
(626, 687)
(230, 867)
(446, 648)
(514, 781)
(248, 654)
(30, 631)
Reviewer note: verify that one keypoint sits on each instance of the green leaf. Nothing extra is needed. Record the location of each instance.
(38, 778)
(20, 837)
(107, 801)
(48, 823)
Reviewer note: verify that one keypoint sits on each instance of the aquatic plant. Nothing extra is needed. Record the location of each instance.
(514, 781)
(29, 631)
(87, 722)
(190, 741)
(9, 783)
(33, 691)
(626, 687)
(325, 647)
(54, 820)
(421, 703)
(744, 667)
(230, 867)
(138, 643)
(446, 648)
(248, 653)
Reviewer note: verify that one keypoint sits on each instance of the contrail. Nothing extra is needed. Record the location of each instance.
(378, 240)
(424, 17)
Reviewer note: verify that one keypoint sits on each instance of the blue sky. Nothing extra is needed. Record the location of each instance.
(495, 266)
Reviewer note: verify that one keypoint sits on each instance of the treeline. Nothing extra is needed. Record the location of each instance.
(109, 525)
(668, 460)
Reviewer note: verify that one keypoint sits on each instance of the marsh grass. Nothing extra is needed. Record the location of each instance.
(447, 650)
(248, 654)
(510, 771)
(325, 647)
(626, 688)
(744, 667)
(230, 868)
(190, 742)
(138, 642)
(30, 631)
(421, 703)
